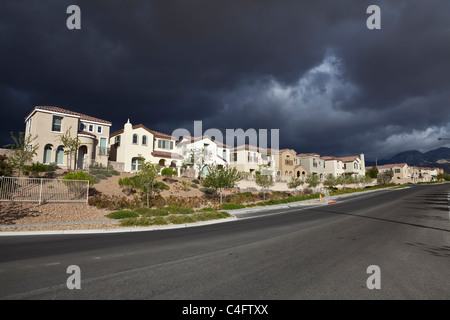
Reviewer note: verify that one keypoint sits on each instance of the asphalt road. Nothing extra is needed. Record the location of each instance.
(320, 252)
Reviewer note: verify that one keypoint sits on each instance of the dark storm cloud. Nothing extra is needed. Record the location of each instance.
(309, 68)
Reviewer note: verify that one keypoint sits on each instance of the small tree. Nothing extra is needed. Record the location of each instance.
(372, 172)
(365, 180)
(344, 180)
(295, 183)
(265, 182)
(385, 177)
(312, 180)
(23, 151)
(146, 179)
(71, 146)
(221, 177)
(330, 182)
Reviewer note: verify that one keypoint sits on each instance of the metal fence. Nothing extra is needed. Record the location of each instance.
(43, 190)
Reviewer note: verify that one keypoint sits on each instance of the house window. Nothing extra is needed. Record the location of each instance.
(136, 164)
(102, 149)
(165, 144)
(99, 129)
(144, 140)
(235, 157)
(47, 154)
(29, 125)
(397, 170)
(135, 138)
(117, 141)
(60, 155)
(82, 126)
(91, 128)
(56, 124)
(224, 154)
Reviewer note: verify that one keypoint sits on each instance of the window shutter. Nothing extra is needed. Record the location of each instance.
(159, 143)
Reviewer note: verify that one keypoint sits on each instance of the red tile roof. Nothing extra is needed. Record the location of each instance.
(187, 139)
(87, 133)
(164, 154)
(68, 112)
(155, 133)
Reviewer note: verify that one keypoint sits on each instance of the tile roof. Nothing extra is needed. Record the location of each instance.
(154, 132)
(164, 154)
(187, 139)
(68, 112)
(302, 155)
(87, 133)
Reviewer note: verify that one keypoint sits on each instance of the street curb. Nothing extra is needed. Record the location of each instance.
(118, 230)
(327, 201)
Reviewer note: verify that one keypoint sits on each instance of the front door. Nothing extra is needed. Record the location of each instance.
(81, 155)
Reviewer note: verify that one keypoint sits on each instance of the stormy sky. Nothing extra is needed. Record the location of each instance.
(311, 69)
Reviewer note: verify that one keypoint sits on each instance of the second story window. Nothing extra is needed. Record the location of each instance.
(99, 129)
(56, 124)
(90, 127)
(144, 140)
(135, 138)
(165, 144)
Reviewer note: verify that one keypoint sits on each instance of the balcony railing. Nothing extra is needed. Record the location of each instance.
(289, 162)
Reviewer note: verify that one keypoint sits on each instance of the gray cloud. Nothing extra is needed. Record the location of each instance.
(310, 68)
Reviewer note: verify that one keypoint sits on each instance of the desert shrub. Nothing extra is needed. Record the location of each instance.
(160, 186)
(231, 206)
(121, 214)
(179, 210)
(210, 215)
(36, 168)
(193, 185)
(77, 188)
(206, 209)
(196, 181)
(114, 202)
(156, 213)
(158, 202)
(209, 192)
(159, 221)
(180, 219)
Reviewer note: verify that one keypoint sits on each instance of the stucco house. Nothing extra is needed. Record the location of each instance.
(285, 164)
(333, 166)
(249, 159)
(354, 165)
(49, 124)
(207, 151)
(136, 143)
(312, 163)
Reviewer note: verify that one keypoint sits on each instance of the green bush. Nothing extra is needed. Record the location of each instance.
(179, 210)
(79, 175)
(196, 181)
(180, 219)
(122, 214)
(231, 206)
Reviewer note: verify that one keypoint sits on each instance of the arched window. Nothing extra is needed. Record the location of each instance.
(135, 138)
(47, 154)
(60, 155)
(144, 140)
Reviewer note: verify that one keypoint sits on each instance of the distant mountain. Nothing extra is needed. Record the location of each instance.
(439, 158)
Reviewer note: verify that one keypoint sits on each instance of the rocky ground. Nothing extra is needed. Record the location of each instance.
(16, 216)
